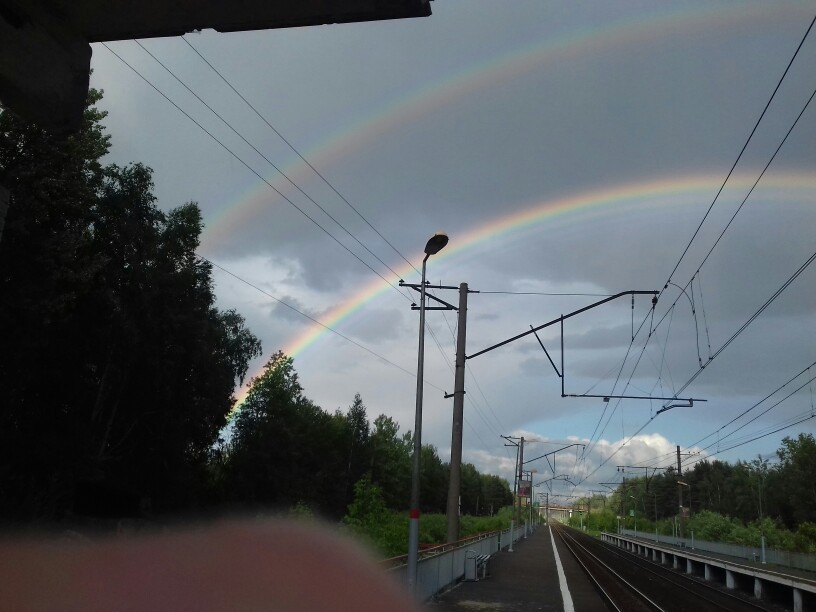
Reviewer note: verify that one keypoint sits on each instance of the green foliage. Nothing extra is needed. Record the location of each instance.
(805, 537)
(386, 531)
(494, 495)
(795, 482)
(368, 505)
(433, 494)
(390, 456)
(603, 521)
(469, 525)
(712, 526)
(737, 495)
(284, 447)
(301, 511)
(433, 529)
(117, 368)
(368, 518)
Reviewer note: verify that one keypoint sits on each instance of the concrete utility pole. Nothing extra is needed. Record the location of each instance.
(455, 483)
(547, 509)
(520, 467)
(458, 395)
(680, 491)
(511, 442)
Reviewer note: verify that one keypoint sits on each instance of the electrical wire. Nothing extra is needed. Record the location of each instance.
(265, 158)
(432, 334)
(547, 294)
(761, 174)
(699, 267)
(297, 152)
(806, 416)
(253, 171)
(322, 177)
(773, 297)
(744, 147)
(750, 320)
(313, 320)
(740, 443)
(757, 404)
(764, 412)
(435, 339)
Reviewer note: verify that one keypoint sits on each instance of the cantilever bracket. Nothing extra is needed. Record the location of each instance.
(689, 403)
(552, 363)
(418, 288)
(560, 320)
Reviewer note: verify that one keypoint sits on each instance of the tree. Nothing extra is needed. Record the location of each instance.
(43, 270)
(118, 369)
(433, 483)
(358, 443)
(284, 448)
(495, 493)
(470, 490)
(795, 474)
(758, 470)
(391, 462)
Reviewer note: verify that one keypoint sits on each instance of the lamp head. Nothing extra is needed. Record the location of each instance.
(436, 243)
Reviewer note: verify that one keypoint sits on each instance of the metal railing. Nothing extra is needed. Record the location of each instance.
(442, 566)
(775, 556)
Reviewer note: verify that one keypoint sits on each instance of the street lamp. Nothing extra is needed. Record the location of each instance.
(435, 244)
(530, 498)
(685, 484)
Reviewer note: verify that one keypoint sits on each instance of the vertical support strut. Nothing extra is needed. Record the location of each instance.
(563, 373)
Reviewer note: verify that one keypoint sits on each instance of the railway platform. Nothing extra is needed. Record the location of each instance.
(532, 577)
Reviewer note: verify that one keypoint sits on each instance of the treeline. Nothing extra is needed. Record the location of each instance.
(117, 369)
(737, 504)
(746, 491)
(285, 450)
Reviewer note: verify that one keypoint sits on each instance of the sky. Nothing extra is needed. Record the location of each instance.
(571, 151)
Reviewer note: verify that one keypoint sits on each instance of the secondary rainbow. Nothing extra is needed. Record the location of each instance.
(453, 87)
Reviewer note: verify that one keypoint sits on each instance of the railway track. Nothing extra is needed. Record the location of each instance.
(630, 583)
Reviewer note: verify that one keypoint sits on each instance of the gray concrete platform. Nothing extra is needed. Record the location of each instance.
(526, 579)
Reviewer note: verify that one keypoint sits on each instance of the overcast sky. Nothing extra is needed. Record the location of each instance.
(565, 148)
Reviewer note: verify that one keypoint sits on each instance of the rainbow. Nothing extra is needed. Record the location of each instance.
(578, 208)
(448, 90)
(643, 27)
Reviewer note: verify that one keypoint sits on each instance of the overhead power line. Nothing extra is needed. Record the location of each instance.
(661, 458)
(223, 120)
(795, 420)
(653, 328)
(776, 294)
(757, 404)
(744, 147)
(545, 293)
(253, 171)
(750, 320)
(764, 412)
(330, 185)
(297, 152)
(313, 320)
(265, 158)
